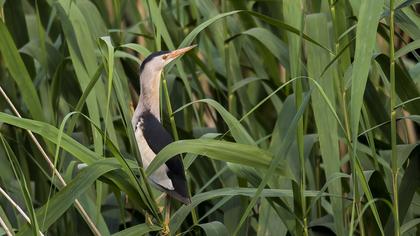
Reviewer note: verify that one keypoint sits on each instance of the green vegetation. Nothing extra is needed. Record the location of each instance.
(295, 117)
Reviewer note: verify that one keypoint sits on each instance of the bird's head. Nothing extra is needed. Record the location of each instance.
(150, 73)
(156, 61)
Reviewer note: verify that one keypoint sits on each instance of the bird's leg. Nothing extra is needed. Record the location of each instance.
(148, 218)
(166, 229)
(160, 197)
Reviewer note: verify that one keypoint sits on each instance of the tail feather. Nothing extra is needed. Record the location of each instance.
(180, 191)
(177, 196)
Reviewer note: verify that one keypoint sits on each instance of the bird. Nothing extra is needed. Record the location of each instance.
(150, 134)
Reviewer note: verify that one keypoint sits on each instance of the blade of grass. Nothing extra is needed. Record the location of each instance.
(47, 159)
(17, 170)
(179, 216)
(285, 145)
(140, 229)
(19, 73)
(324, 120)
(5, 228)
(65, 198)
(214, 228)
(15, 205)
(393, 98)
(293, 15)
(218, 150)
(368, 19)
(239, 133)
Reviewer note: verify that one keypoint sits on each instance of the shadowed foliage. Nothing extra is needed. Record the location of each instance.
(293, 117)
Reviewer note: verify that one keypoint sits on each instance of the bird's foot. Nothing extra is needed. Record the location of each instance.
(158, 199)
(165, 229)
(167, 216)
(148, 219)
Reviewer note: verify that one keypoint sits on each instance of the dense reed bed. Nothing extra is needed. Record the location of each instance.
(294, 117)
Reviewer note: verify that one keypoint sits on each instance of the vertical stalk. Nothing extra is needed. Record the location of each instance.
(353, 204)
(4, 226)
(302, 184)
(77, 203)
(394, 157)
(339, 20)
(175, 134)
(300, 143)
(360, 214)
(170, 113)
(1, 14)
(300, 131)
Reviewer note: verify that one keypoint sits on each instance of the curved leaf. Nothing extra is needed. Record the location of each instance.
(179, 216)
(140, 229)
(214, 228)
(218, 150)
(51, 133)
(412, 46)
(17, 69)
(239, 133)
(65, 198)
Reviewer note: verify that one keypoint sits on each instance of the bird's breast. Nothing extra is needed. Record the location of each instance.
(146, 153)
(159, 176)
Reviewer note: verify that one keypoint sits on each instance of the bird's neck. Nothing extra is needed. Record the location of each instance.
(150, 94)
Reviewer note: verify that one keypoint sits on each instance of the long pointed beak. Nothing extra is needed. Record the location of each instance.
(179, 52)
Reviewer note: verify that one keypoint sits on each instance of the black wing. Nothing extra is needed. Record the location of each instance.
(157, 138)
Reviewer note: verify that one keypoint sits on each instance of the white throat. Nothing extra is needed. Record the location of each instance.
(150, 92)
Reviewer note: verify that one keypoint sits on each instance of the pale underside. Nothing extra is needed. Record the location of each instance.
(159, 176)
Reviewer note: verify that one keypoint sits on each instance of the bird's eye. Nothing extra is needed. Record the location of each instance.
(164, 57)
